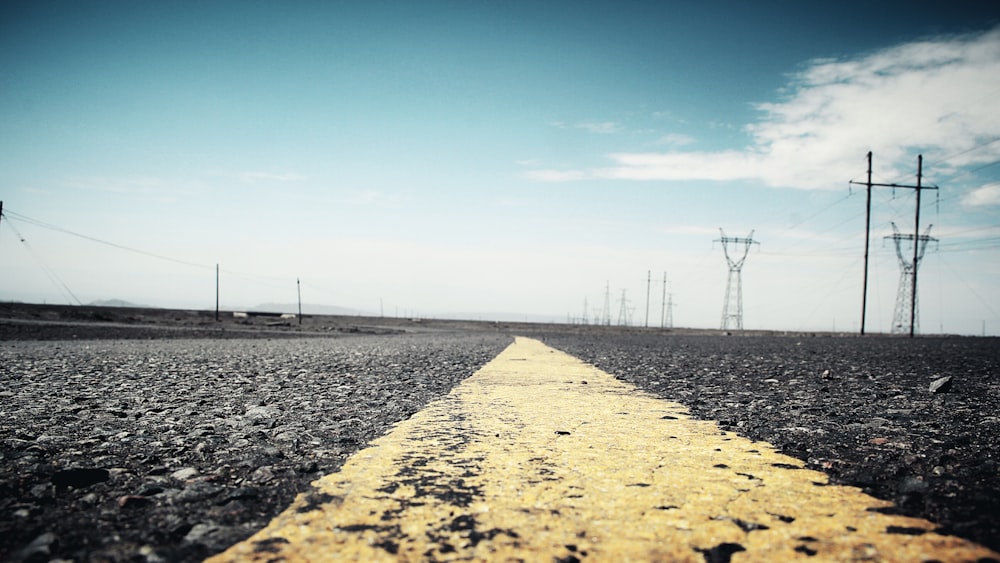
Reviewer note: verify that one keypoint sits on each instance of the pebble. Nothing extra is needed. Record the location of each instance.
(185, 474)
(40, 548)
(941, 385)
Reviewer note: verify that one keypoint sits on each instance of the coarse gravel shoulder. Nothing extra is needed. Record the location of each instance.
(172, 450)
(859, 409)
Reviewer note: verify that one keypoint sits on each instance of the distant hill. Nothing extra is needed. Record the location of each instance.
(503, 317)
(307, 309)
(117, 303)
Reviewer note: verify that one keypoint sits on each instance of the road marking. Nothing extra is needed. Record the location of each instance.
(539, 456)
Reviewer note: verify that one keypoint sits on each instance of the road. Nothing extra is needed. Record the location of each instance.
(177, 449)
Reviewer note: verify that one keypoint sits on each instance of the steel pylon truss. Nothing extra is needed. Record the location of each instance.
(907, 296)
(732, 307)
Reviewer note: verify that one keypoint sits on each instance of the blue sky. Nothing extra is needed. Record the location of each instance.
(443, 158)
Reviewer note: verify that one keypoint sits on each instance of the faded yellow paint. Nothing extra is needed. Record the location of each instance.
(541, 457)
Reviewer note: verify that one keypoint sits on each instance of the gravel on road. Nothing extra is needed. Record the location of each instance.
(173, 448)
(170, 450)
(859, 409)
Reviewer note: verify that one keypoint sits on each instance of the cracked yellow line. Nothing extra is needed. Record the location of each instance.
(539, 456)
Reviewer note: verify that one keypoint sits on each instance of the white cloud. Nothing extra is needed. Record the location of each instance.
(939, 97)
(984, 196)
(675, 139)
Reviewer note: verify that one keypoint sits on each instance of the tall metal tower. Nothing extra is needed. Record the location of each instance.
(905, 317)
(624, 316)
(668, 319)
(732, 307)
(606, 311)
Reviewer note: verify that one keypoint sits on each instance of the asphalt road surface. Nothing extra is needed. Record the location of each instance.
(175, 448)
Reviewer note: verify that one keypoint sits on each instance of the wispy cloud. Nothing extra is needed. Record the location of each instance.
(937, 96)
(255, 176)
(676, 140)
(987, 195)
(601, 127)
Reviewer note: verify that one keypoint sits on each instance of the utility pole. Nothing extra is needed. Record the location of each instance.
(916, 234)
(606, 312)
(868, 222)
(649, 279)
(216, 292)
(663, 303)
(298, 288)
(670, 310)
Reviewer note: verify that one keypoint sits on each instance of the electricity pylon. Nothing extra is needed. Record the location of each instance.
(667, 307)
(732, 307)
(624, 318)
(905, 318)
(606, 311)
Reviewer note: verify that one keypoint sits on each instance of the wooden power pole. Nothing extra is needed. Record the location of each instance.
(916, 234)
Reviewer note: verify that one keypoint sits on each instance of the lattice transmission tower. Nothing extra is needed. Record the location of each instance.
(732, 307)
(905, 317)
(624, 311)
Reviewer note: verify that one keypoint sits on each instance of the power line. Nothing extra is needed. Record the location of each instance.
(272, 281)
(49, 272)
(44, 225)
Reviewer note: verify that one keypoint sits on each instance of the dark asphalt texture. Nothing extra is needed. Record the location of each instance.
(173, 449)
(858, 409)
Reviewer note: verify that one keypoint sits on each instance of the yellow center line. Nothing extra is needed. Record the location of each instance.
(541, 457)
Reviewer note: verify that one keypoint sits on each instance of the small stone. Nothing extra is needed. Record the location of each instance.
(913, 485)
(79, 478)
(200, 532)
(40, 548)
(185, 474)
(133, 501)
(261, 413)
(240, 493)
(149, 490)
(942, 385)
(308, 467)
(150, 554)
(262, 474)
